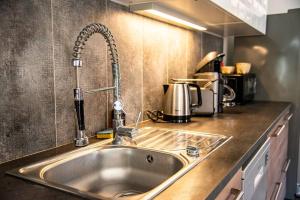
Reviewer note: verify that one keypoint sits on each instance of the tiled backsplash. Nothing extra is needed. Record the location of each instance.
(37, 79)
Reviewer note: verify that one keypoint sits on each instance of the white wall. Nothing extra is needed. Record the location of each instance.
(282, 6)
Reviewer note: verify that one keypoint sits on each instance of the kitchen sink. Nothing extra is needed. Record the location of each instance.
(114, 171)
(140, 171)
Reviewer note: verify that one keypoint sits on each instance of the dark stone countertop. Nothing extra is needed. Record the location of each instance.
(247, 124)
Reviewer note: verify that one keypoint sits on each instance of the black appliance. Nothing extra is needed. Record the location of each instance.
(244, 86)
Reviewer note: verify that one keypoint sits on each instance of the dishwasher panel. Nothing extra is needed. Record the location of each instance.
(254, 178)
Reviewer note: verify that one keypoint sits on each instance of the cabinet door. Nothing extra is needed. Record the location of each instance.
(253, 12)
(233, 189)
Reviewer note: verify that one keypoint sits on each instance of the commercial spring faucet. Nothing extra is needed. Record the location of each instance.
(118, 123)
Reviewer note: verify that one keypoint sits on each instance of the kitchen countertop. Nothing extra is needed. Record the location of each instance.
(248, 124)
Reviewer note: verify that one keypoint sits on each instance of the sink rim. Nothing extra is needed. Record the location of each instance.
(40, 166)
(61, 158)
(188, 164)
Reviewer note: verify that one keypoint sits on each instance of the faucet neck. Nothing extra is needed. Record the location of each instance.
(117, 84)
(81, 40)
(83, 36)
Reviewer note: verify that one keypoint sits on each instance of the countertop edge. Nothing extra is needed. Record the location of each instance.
(211, 194)
(214, 193)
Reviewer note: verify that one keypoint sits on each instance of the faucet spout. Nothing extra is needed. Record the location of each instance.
(84, 35)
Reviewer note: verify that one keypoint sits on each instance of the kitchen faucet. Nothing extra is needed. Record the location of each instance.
(118, 123)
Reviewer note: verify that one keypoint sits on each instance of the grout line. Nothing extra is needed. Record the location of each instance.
(142, 74)
(106, 69)
(200, 47)
(186, 53)
(54, 84)
(168, 29)
(202, 44)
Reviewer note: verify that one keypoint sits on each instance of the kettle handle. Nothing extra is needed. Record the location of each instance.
(198, 93)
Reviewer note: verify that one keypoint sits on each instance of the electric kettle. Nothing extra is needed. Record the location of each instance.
(177, 102)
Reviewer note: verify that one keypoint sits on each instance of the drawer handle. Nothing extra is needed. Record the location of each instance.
(279, 185)
(285, 169)
(237, 194)
(289, 116)
(277, 133)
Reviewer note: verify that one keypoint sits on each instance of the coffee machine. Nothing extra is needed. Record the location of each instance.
(215, 92)
(211, 91)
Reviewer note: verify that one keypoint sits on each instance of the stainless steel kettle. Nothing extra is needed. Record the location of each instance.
(177, 102)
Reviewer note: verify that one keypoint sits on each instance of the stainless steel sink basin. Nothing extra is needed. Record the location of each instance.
(114, 171)
(103, 171)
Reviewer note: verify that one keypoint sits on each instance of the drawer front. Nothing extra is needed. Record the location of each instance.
(279, 184)
(233, 188)
(278, 153)
(279, 190)
(286, 116)
(279, 136)
(283, 190)
(278, 148)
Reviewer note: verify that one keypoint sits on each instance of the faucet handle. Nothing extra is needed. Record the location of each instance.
(125, 135)
(128, 132)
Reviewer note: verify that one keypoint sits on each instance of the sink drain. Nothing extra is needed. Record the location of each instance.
(127, 193)
(149, 159)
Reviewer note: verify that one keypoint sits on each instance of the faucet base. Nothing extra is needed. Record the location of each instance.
(117, 141)
(81, 142)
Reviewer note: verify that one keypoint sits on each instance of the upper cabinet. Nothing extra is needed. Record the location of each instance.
(219, 17)
(252, 12)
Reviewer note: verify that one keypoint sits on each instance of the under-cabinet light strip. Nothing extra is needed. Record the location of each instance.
(165, 14)
(175, 19)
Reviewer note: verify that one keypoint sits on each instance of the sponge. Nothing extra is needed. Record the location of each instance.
(105, 134)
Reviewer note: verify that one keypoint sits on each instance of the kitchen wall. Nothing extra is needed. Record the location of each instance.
(275, 58)
(37, 80)
(279, 6)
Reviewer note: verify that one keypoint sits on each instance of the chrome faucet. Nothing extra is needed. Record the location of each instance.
(118, 123)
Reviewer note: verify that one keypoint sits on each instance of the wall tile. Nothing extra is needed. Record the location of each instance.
(155, 39)
(26, 79)
(211, 43)
(70, 17)
(128, 32)
(37, 78)
(177, 53)
(194, 51)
